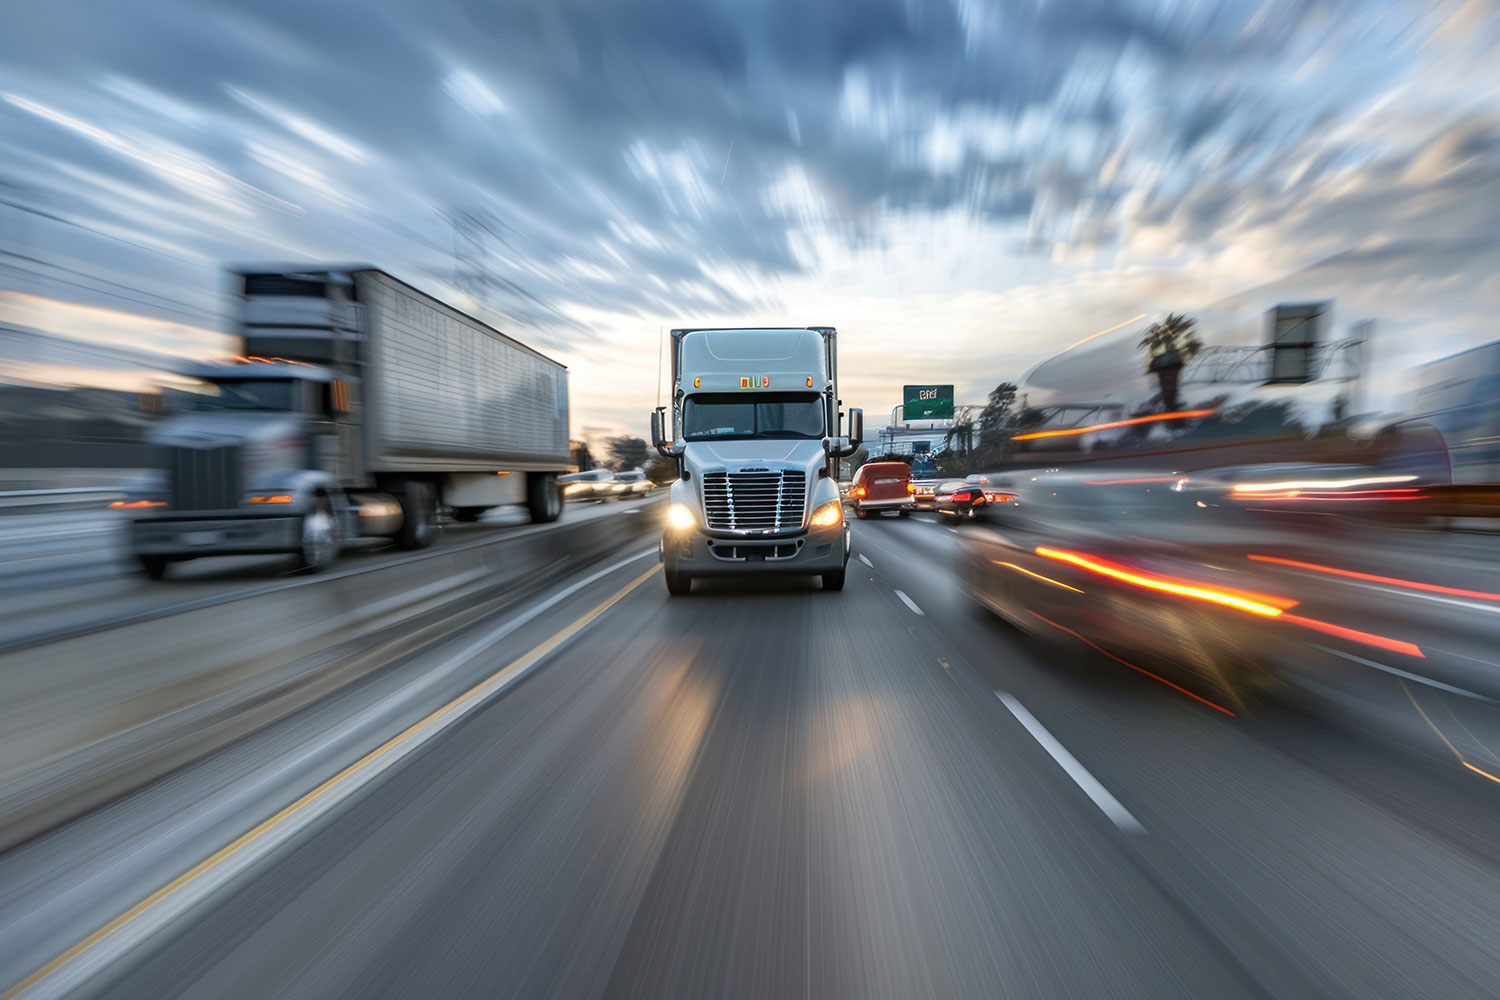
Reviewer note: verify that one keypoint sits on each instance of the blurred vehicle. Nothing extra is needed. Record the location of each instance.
(346, 418)
(754, 425)
(880, 487)
(922, 493)
(595, 484)
(964, 499)
(630, 484)
(1226, 607)
(924, 466)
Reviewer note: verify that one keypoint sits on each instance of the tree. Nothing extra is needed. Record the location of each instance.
(627, 453)
(995, 425)
(661, 469)
(1169, 346)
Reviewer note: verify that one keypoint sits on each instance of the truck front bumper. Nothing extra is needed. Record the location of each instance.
(695, 553)
(238, 536)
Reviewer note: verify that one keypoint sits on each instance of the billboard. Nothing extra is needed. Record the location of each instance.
(927, 402)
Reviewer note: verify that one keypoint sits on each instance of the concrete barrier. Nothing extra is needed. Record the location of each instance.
(89, 717)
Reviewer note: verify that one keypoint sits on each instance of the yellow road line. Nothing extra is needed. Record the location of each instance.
(458, 706)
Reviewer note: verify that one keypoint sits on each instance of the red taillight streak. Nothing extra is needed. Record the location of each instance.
(1372, 578)
(1132, 666)
(1369, 638)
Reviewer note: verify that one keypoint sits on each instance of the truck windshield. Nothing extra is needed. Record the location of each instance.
(767, 415)
(251, 394)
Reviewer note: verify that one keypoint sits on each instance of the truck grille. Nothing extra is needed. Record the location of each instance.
(206, 478)
(754, 501)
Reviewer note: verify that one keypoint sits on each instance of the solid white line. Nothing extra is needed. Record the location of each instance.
(865, 561)
(1418, 678)
(909, 602)
(1110, 805)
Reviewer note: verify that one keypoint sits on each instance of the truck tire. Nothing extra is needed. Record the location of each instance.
(834, 580)
(468, 514)
(543, 498)
(677, 583)
(902, 512)
(417, 516)
(320, 538)
(155, 567)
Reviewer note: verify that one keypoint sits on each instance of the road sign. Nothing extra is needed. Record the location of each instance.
(927, 402)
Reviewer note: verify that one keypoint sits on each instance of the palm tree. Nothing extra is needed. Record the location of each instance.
(1169, 345)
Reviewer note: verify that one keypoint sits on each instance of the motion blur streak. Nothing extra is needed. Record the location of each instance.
(414, 734)
(1440, 735)
(1318, 484)
(1434, 588)
(1257, 604)
(1132, 482)
(1132, 422)
(1132, 666)
(1038, 576)
(1394, 645)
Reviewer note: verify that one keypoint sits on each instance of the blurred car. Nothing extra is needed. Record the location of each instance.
(880, 487)
(595, 484)
(964, 499)
(922, 493)
(629, 484)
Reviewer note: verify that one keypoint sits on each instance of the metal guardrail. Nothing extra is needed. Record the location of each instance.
(36, 501)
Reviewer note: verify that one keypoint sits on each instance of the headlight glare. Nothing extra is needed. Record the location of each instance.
(828, 514)
(680, 517)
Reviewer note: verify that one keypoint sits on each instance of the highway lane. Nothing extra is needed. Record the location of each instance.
(768, 790)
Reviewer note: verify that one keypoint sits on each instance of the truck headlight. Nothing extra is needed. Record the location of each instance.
(680, 517)
(828, 514)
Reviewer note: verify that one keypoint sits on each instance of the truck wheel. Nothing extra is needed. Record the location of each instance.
(677, 583)
(902, 512)
(155, 567)
(834, 580)
(543, 499)
(417, 512)
(320, 538)
(468, 514)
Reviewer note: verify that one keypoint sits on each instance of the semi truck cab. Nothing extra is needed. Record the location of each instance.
(753, 425)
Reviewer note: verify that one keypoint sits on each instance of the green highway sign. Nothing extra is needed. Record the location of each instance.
(927, 402)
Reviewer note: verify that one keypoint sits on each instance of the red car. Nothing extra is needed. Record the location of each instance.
(881, 486)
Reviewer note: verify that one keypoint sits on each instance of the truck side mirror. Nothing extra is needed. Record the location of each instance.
(856, 428)
(664, 445)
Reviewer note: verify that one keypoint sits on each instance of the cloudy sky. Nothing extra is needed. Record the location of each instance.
(963, 187)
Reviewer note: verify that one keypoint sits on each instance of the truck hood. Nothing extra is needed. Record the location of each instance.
(208, 430)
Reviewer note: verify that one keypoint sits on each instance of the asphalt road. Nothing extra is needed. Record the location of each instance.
(766, 790)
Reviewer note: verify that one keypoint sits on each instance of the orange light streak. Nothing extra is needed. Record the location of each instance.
(1369, 638)
(1257, 604)
(1047, 579)
(1153, 418)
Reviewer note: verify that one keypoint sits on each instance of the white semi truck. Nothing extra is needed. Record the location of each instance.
(357, 406)
(754, 424)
